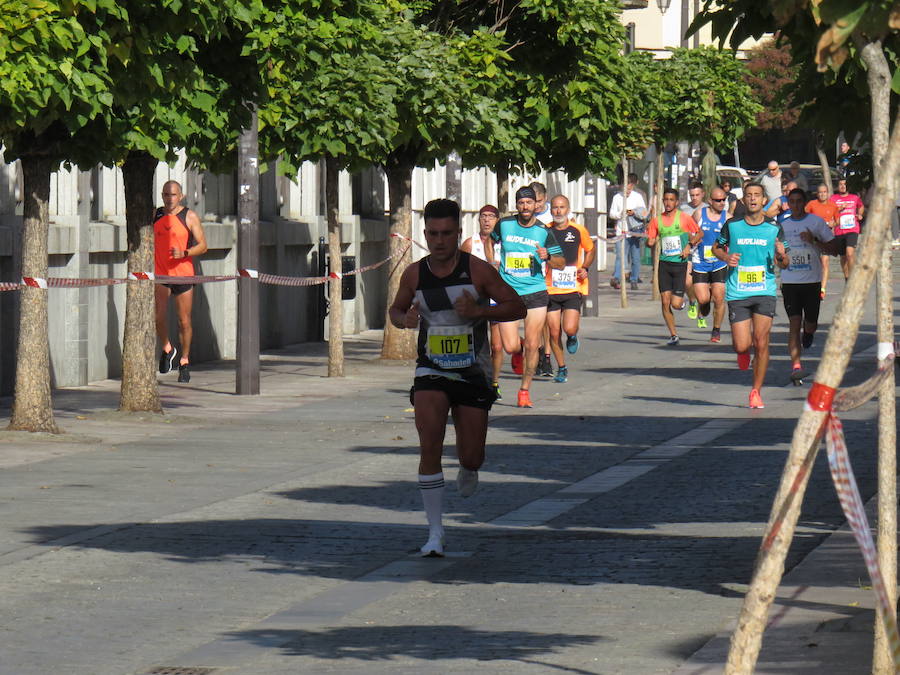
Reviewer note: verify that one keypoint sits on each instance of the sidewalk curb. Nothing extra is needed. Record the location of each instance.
(820, 622)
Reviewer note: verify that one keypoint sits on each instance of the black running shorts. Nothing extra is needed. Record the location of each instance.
(559, 301)
(672, 277)
(847, 240)
(535, 300)
(802, 300)
(716, 277)
(458, 393)
(178, 289)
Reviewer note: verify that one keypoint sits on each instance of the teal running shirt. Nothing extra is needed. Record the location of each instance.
(520, 266)
(755, 272)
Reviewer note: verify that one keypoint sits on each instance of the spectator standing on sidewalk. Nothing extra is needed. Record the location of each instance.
(771, 181)
(629, 210)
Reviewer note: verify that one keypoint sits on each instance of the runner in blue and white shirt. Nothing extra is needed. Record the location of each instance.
(752, 246)
(708, 272)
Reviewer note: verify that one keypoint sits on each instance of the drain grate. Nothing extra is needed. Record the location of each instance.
(180, 670)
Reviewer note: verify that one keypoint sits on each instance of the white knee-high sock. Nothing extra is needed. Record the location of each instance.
(432, 489)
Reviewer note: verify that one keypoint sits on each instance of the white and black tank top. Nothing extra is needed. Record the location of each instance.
(449, 345)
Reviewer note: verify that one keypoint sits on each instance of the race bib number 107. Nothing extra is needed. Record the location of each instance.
(451, 346)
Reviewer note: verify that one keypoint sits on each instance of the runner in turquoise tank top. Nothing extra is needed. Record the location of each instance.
(752, 246)
(524, 244)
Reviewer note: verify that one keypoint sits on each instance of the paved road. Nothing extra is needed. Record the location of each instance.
(614, 532)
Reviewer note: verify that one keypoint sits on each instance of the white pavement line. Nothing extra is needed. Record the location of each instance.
(537, 512)
(545, 509)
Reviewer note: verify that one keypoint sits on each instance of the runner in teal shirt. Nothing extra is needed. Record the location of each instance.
(524, 244)
(755, 272)
(752, 246)
(520, 266)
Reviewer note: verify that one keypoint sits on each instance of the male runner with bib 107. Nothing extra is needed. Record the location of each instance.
(446, 295)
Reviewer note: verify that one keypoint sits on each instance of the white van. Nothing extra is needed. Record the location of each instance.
(736, 175)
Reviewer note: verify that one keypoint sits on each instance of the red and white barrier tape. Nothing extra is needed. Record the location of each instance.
(397, 235)
(822, 398)
(65, 282)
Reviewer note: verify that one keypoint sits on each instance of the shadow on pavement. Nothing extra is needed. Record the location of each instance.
(429, 643)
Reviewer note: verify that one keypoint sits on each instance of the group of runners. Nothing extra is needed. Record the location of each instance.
(544, 256)
(723, 254)
(465, 298)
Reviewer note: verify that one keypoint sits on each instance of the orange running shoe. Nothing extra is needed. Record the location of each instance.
(744, 360)
(518, 359)
(756, 399)
(524, 399)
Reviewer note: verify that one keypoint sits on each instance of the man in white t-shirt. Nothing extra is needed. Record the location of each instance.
(808, 237)
(629, 210)
(541, 204)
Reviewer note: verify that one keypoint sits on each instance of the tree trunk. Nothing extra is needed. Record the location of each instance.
(879, 79)
(399, 343)
(32, 408)
(336, 305)
(747, 638)
(708, 168)
(658, 209)
(823, 162)
(139, 387)
(502, 172)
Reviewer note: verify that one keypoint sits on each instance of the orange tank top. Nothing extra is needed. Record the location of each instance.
(171, 231)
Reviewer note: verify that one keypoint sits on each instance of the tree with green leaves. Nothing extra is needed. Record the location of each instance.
(716, 113)
(91, 82)
(449, 97)
(546, 93)
(332, 92)
(154, 114)
(53, 65)
(667, 105)
(841, 41)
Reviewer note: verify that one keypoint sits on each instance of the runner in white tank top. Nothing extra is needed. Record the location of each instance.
(481, 246)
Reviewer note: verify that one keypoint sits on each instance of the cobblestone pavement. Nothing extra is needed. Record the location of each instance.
(614, 531)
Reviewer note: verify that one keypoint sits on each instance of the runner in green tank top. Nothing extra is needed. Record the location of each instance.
(678, 234)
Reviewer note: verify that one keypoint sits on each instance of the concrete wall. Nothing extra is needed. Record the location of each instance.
(87, 239)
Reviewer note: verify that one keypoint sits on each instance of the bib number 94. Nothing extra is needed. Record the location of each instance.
(518, 264)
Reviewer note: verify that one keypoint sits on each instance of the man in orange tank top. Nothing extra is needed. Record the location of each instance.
(178, 236)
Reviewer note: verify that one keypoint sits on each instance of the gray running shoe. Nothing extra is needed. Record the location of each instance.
(466, 482)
